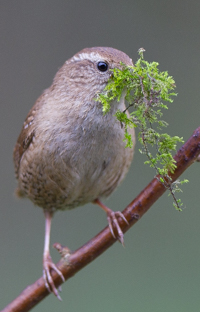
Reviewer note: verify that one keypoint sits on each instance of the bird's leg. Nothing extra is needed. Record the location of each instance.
(112, 220)
(48, 264)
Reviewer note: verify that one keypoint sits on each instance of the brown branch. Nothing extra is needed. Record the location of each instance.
(70, 264)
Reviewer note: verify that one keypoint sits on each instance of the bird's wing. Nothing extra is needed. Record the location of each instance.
(25, 138)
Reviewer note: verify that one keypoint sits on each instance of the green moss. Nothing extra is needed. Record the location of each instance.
(148, 91)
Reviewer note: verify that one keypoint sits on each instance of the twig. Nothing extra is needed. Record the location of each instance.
(70, 264)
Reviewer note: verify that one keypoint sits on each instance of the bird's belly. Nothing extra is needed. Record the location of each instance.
(68, 180)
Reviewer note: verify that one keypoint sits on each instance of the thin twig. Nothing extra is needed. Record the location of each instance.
(70, 264)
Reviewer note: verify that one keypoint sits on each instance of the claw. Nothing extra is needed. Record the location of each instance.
(48, 265)
(111, 226)
(112, 220)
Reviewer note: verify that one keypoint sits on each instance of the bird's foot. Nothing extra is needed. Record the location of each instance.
(112, 217)
(48, 265)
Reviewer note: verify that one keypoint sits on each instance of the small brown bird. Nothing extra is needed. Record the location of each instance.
(69, 153)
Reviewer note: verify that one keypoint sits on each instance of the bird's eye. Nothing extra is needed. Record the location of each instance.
(102, 66)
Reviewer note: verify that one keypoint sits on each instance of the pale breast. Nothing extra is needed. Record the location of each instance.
(77, 167)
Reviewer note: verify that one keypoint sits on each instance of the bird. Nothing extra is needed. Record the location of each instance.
(69, 153)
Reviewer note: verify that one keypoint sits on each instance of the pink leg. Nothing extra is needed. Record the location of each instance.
(112, 220)
(47, 261)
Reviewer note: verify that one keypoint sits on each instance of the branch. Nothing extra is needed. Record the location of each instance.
(71, 263)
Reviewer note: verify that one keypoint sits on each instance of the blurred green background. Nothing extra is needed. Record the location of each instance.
(158, 270)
